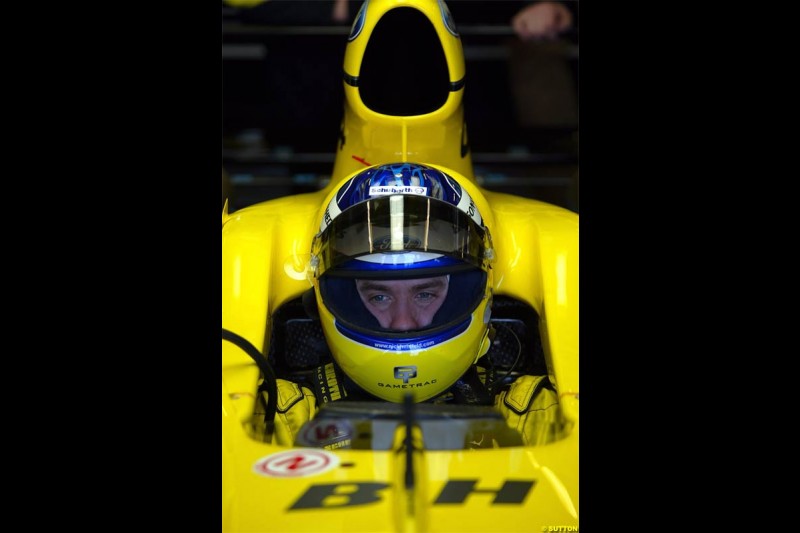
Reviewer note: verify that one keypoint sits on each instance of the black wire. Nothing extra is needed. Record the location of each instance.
(513, 366)
(270, 379)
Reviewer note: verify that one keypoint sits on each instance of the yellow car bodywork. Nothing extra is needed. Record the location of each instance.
(265, 255)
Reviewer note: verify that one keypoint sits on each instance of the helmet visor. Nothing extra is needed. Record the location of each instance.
(400, 234)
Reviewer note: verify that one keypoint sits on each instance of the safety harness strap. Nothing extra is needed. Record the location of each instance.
(328, 384)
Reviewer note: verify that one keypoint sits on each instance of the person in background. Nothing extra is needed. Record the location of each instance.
(543, 76)
(542, 21)
(341, 12)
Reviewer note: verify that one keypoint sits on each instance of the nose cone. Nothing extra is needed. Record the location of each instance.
(404, 58)
(403, 83)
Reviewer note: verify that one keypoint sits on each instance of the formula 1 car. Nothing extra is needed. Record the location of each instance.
(362, 466)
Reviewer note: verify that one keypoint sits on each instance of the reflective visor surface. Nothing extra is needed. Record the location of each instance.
(411, 228)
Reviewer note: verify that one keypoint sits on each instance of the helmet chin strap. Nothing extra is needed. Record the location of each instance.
(486, 343)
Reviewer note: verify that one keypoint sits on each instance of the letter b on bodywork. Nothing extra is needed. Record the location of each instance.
(332, 495)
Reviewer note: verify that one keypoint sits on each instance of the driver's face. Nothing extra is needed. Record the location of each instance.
(403, 305)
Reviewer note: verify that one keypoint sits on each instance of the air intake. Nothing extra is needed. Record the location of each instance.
(404, 70)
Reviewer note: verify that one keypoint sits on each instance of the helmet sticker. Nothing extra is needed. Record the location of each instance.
(406, 344)
(383, 190)
(405, 372)
(468, 206)
(331, 212)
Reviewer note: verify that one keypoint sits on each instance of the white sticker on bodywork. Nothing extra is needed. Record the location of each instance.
(296, 463)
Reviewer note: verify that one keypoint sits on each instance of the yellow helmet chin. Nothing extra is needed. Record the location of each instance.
(425, 364)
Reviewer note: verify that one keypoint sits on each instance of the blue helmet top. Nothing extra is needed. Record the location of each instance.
(400, 178)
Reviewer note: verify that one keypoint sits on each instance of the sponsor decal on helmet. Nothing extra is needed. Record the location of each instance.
(385, 243)
(407, 344)
(331, 212)
(383, 190)
(405, 373)
(406, 386)
(396, 346)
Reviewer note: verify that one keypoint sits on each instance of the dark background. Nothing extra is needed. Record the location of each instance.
(282, 100)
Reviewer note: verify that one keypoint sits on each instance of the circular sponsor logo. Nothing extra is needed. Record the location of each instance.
(326, 434)
(296, 463)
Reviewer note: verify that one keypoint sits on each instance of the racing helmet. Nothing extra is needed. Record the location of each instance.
(403, 221)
